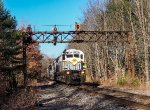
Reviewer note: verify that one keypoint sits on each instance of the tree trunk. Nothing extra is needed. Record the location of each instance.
(116, 65)
(97, 59)
(141, 18)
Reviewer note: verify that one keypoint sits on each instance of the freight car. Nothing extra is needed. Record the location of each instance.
(69, 67)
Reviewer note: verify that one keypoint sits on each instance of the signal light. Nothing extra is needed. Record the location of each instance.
(77, 26)
(35, 43)
(29, 29)
(54, 29)
(54, 40)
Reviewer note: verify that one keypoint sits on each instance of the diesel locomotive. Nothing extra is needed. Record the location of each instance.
(69, 67)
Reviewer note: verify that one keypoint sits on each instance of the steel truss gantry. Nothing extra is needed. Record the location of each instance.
(79, 36)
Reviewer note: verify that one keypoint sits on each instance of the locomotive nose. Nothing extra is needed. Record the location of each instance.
(74, 61)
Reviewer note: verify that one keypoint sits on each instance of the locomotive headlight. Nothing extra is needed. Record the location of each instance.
(82, 72)
(68, 72)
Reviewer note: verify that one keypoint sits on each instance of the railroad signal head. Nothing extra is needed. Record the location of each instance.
(54, 29)
(77, 26)
(29, 29)
(54, 40)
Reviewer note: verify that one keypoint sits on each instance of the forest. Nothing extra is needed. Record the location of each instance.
(108, 61)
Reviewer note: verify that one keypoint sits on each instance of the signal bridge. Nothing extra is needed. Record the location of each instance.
(78, 36)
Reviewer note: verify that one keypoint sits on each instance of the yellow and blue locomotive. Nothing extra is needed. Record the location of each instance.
(69, 67)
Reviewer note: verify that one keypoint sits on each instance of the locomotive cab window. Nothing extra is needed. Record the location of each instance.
(63, 57)
(81, 56)
(50, 67)
(69, 55)
(76, 55)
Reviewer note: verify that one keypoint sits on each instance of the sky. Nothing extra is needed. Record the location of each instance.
(47, 12)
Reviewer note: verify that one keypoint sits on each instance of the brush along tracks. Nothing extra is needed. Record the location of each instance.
(126, 97)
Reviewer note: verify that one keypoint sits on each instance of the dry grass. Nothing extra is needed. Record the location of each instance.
(109, 82)
(131, 85)
(3, 84)
(88, 77)
(32, 82)
(20, 100)
(3, 87)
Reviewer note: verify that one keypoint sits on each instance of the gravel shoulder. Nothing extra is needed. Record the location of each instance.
(140, 91)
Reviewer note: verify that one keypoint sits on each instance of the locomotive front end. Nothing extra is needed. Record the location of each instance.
(69, 67)
(74, 65)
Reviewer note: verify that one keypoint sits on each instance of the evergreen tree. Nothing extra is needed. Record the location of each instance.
(9, 46)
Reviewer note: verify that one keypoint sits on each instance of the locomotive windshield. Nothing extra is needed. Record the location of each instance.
(69, 55)
(76, 55)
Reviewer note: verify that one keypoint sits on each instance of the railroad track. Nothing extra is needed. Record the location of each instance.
(122, 96)
(113, 93)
